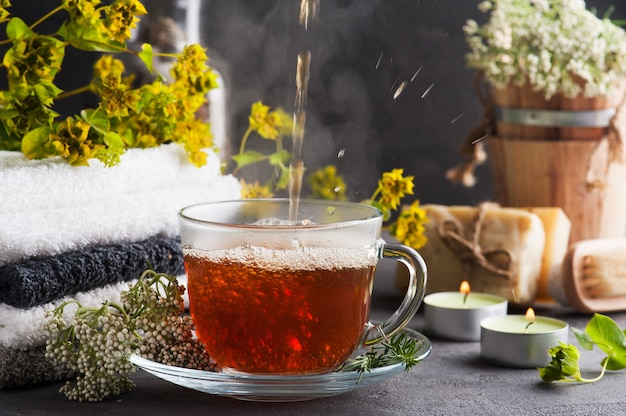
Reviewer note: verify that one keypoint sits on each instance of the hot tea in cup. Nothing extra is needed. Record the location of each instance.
(271, 296)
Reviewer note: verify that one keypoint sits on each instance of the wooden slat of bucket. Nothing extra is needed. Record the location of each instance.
(525, 98)
(552, 173)
(595, 103)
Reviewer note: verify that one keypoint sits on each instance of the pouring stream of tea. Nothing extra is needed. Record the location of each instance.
(308, 14)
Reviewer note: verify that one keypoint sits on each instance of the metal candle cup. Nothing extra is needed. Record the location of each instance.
(509, 341)
(447, 316)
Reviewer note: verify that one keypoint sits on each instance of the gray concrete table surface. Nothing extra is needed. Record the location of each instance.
(453, 380)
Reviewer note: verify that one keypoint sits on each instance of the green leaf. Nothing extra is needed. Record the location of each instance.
(16, 28)
(583, 339)
(34, 143)
(96, 119)
(283, 179)
(89, 38)
(146, 56)
(113, 140)
(96, 46)
(279, 158)
(8, 141)
(249, 157)
(46, 92)
(610, 338)
(563, 366)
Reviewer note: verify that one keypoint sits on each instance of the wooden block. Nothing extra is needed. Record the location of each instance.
(508, 237)
(594, 275)
(557, 229)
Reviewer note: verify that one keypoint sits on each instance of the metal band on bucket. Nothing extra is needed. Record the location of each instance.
(555, 118)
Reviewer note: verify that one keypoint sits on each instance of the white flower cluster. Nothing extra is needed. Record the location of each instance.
(558, 46)
(97, 348)
(171, 342)
(98, 343)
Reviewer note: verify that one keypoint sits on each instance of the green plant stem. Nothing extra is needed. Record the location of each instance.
(37, 23)
(279, 144)
(593, 380)
(578, 378)
(73, 92)
(244, 140)
(46, 16)
(242, 147)
(374, 195)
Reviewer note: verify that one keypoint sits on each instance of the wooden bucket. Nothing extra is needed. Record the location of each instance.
(557, 153)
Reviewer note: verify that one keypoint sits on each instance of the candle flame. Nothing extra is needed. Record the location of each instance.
(530, 317)
(465, 290)
(465, 287)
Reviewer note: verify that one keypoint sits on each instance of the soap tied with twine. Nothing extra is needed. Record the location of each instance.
(464, 241)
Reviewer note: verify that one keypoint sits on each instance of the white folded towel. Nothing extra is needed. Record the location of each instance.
(48, 207)
(125, 219)
(31, 185)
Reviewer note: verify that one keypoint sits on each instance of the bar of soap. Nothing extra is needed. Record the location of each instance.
(557, 228)
(518, 232)
(594, 275)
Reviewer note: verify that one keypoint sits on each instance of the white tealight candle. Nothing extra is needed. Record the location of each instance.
(521, 341)
(457, 315)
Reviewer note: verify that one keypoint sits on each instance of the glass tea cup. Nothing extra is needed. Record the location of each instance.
(270, 296)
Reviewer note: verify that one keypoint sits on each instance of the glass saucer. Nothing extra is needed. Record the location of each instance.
(278, 388)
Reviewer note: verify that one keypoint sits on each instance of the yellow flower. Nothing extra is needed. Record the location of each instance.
(326, 184)
(282, 121)
(121, 18)
(75, 134)
(83, 10)
(106, 65)
(269, 125)
(33, 59)
(409, 228)
(191, 70)
(254, 190)
(4, 13)
(392, 187)
(194, 135)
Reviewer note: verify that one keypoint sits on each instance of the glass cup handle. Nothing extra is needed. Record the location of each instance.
(414, 294)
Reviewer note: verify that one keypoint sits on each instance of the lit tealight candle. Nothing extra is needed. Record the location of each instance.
(521, 341)
(457, 315)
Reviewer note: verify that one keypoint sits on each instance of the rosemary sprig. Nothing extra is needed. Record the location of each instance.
(399, 349)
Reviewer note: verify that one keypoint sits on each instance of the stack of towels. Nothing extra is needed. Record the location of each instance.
(85, 233)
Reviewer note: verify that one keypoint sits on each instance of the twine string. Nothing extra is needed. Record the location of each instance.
(465, 243)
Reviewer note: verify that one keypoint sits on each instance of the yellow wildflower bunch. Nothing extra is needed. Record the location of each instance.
(270, 125)
(392, 187)
(326, 184)
(409, 226)
(126, 117)
(255, 190)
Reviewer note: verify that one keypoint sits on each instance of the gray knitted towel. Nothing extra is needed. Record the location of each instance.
(21, 367)
(40, 280)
